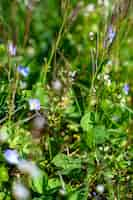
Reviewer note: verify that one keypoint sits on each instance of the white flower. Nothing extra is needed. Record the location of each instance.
(29, 168)
(100, 188)
(89, 9)
(12, 49)
(62, 192)
(23, 84)
(20, 192)
(91, 35)
(57, 85)
(3, 135)
(106, 77)
(105, 2)
(123, 101)
(109, 82)
(11, 156)
(34, 104)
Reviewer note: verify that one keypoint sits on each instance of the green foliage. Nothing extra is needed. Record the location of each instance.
(79, 58)
(66, 163)
(94, 134)
(3, 175)
(39, 183)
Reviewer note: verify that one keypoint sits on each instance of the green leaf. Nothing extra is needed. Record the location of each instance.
(3, 174)
(100, 134)
(86, 122)
(53, 183)
(73, 196)
(2, 195)
(89, 137)
(93, 134)
(66, 163)
(71, 112)
(41, 94)
(39, 183)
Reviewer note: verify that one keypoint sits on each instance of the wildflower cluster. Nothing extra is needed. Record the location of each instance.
(24, 166)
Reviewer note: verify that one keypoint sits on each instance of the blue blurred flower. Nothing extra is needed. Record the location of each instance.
(126, 88)
(11, 156)
(23, 70)
(34, 104)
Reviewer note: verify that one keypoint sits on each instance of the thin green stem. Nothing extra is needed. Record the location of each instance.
(55, 45)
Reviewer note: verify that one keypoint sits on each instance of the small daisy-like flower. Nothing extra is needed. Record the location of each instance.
(12, 49)
(34, 104)
(11, 156)
(23, 70)
(20, 192)
(126, 88)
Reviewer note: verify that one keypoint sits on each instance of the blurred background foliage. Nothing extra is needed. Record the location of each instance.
(87, 138)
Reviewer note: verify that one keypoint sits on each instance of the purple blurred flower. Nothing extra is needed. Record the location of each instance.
(111, 34)
(94, 193)
(126, 88)
(34, 104)
(12, 49)
(23, 70)
(11, 156)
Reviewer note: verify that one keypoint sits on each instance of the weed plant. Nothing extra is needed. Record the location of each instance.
(66, 103)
